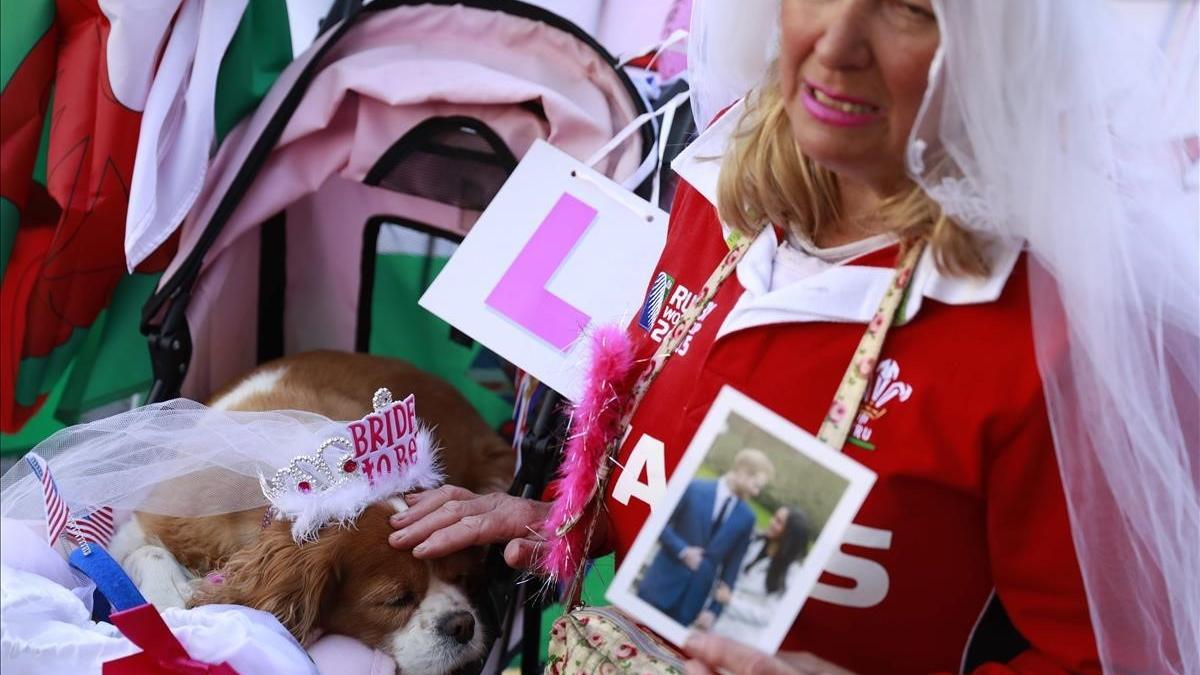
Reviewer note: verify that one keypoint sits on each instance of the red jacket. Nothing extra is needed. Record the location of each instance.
(965, 535)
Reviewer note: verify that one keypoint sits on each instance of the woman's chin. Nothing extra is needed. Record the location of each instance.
(849, 166)
(852, 153)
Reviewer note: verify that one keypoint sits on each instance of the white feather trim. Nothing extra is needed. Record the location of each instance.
(340, 506)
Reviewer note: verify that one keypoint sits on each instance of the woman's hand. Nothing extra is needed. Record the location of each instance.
(448, 519)
(712, 653)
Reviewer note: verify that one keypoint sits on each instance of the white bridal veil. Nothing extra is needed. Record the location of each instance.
(125, 460)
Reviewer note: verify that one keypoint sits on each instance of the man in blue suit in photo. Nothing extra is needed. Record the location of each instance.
(705, 540)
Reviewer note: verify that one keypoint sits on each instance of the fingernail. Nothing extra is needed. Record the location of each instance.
(411, 497)
(399, 535)
(397, 518)
(420, 548)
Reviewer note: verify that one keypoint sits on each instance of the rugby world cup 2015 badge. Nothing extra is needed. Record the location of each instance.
(655, 299)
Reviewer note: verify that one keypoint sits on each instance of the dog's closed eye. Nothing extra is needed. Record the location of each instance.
(402, 601)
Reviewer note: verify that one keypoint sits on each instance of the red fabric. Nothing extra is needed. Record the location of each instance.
(968, 490)
(162, 653)
(24, 101)
(19, 279)
(93, 137)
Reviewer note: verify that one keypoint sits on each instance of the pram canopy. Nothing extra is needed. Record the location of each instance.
(327, 211)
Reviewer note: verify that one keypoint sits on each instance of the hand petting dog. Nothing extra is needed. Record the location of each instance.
(448, 519)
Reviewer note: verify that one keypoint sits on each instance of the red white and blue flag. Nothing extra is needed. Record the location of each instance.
(56, 509)
(96, 527)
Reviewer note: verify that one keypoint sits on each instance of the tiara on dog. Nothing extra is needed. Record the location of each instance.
(309, 473)
(387, 452)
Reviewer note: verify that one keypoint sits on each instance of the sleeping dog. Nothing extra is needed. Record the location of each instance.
(349, 581)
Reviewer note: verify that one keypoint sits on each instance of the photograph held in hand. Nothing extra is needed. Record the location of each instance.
(750, 517)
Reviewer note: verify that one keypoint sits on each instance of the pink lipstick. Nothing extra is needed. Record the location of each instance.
(836, 109)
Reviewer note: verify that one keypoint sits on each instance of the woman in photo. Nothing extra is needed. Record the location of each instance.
(770, 567)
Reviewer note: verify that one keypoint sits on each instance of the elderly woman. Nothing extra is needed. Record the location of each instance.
(989, 165)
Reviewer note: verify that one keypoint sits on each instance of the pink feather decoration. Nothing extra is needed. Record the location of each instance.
(595, 421)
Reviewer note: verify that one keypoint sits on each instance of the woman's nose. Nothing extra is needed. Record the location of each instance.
(843, 44)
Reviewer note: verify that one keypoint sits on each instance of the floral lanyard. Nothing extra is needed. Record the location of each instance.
(838, 420)
(835, 428)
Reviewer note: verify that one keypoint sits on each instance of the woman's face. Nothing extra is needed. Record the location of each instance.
(852, 76)
(778, 521)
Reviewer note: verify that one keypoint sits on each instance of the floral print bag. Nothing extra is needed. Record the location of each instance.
(603, 640)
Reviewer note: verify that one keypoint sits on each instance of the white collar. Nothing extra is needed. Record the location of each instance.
(843, 292)
(723, 492)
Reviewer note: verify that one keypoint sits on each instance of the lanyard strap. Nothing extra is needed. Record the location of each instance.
(835, 429)
(739, 244)
(840, 417)
(684, 324)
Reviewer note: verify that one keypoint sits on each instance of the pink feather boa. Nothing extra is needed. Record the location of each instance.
(595, 419)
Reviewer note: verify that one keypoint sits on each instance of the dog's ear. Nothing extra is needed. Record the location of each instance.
(292, 581)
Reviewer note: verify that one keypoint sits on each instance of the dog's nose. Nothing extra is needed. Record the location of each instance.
(459, 626)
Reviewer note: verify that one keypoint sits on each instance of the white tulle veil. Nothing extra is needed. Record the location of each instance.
(1057, 123)
(145, 459)
(121, 461)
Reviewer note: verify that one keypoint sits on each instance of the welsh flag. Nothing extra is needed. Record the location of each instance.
(75, 80)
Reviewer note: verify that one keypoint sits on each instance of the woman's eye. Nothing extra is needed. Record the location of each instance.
(402, 601)
(914, 10)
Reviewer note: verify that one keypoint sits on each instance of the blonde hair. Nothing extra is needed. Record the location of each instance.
(765, 179)
(752, 461)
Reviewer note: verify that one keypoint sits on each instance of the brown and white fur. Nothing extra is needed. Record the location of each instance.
(350, 580)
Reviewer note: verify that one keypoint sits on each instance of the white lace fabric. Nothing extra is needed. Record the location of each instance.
(1051, 126)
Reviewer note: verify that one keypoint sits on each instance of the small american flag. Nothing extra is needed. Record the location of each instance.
(56, 510)
(96, 527)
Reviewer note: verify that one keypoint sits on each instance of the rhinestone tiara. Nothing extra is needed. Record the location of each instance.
(323, 471)
(386, 453)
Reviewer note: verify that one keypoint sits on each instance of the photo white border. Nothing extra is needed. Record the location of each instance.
(621, 591)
